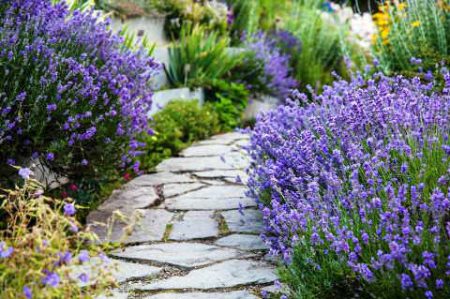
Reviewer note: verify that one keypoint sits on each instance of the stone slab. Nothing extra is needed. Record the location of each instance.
(151, 227)
(171, 190)
(208, 295)
(195, 225)
(232, 273)
(179, 254)
(232, 160)
(121, 271)
(221, 197)
(233, 136)
(249, 222)
(126, 200)
(206, 150)
(219, 174)
(160, 178)
(242, 242)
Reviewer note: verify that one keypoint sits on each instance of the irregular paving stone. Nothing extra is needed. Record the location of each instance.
(206, 150)
(212, 198)
(243, 242)
(126, 271)
(209, 295)
(151, 227)
(230, 136)
(128, 199)
(195, 225)
(171, 190)
(160, 178)
(219, 174)
(249, 222)
(120, 270)
(180, 254)
(227, 274)
(232, 160)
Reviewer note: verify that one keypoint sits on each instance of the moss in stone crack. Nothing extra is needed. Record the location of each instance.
(223, 226)
(167, 232)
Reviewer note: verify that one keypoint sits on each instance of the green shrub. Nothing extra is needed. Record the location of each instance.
(199, 57)
(229, 101)
(42, 248)
(175, 127)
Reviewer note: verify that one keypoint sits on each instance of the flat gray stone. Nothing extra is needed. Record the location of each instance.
(171, 190)
(126, 271)
(242, 242)
(206, 150)
(232, 160)
(195, 225)
(209, 295)
(227, 274)
(221, 197)
(233, 136)
(126, 200)
(219, 174)
(250, 222)
(160, 178)
(121, 271)
(151, 227)
(180, 254)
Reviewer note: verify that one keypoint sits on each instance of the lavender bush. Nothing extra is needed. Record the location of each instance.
(354, 188)
(275, 77)
(71, 94)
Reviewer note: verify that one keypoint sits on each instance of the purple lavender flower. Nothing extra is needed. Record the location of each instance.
(74, 97)
(69, 209)
(5, 251)
(64, 258)
(51, 279)
(25, 173)
(84, 277)
(27, 292)
(83, 257)
(357, 169)
(276, 69)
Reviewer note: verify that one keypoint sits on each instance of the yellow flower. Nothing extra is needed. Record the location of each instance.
(401, 6)
(415, 24)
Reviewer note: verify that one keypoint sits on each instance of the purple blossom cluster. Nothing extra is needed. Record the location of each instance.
(361, 175)
(276, 74)
(70, 94)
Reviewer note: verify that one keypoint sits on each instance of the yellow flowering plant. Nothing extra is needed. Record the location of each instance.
(411, 30)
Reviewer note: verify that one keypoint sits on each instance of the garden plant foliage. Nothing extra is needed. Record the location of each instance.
(354, 188)
(412, 28)
(44, 252)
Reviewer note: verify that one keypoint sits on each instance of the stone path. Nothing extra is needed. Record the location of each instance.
(198, 233)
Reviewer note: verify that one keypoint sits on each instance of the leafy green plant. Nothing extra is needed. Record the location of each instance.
(249, 17)
(43, 249)
(175, 127)
(199, 57)
(412, 29)
(321, 51)
(228, 100)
